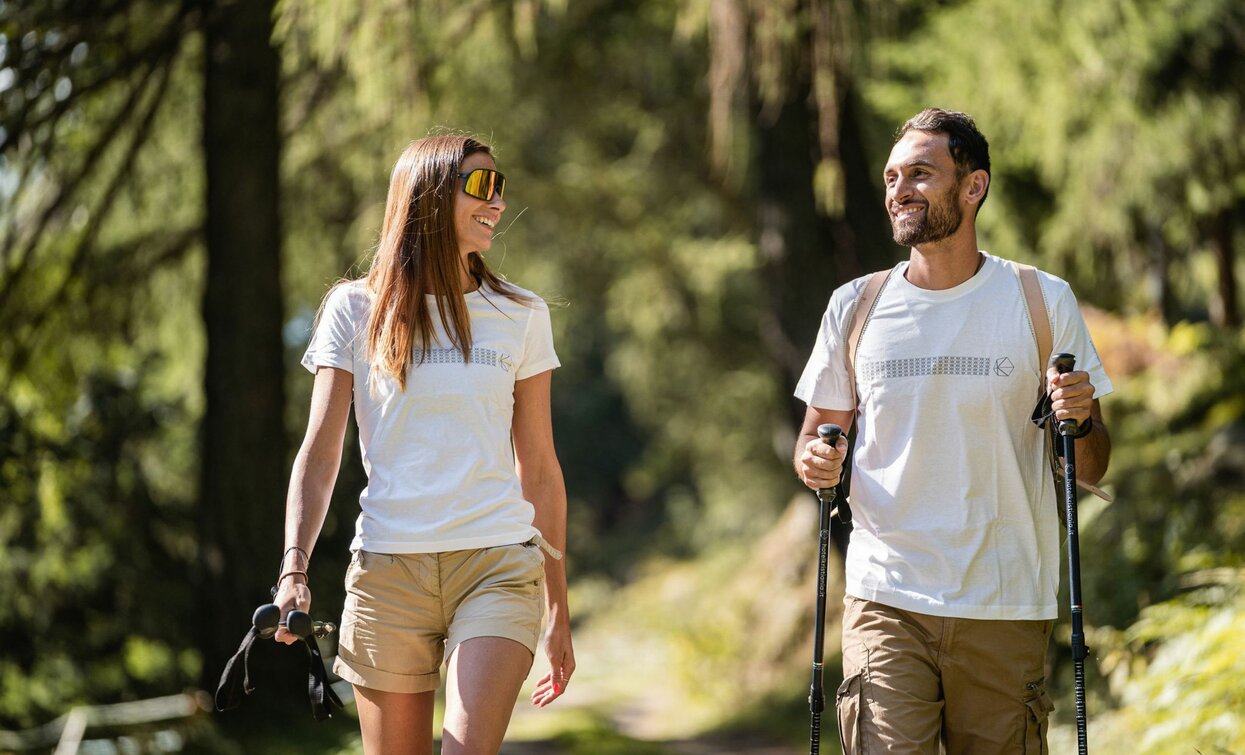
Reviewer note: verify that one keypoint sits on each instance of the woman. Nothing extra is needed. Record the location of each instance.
(448, 366)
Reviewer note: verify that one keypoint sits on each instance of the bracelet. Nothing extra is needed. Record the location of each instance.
(291, 573)
(1084, 429)
(306, 558)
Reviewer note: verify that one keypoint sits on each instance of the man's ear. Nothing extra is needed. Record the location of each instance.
(975, 185)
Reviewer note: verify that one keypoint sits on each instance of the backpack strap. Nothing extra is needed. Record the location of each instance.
(866, 301)
(1039, 323)
(1039, 317)
(862, 310)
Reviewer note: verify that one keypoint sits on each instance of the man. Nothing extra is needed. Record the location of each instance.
(953, 564)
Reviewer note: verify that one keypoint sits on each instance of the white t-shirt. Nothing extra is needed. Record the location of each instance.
(954, 510)
(439, 460)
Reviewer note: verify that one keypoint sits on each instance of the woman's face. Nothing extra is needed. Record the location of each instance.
(475, 220)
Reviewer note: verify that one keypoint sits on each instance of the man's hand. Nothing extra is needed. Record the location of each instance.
(820, 465)
(1071, 394)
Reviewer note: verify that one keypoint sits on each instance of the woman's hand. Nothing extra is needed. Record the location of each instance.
(292, 594)
(561, 656)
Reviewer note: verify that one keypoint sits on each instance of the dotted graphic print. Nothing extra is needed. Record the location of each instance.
(487, 357)
(920, 366)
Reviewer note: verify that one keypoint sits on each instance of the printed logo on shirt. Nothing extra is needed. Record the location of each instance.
(921, 366)
(1003, 367)
(486, 357)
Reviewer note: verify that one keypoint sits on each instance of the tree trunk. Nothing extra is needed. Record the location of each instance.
(808, 255)
(1225, 312)
(1159, 275)
(797, 243)
(244, 452)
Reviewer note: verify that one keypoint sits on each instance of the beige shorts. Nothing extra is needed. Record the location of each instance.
(405, 613)
(914, 683)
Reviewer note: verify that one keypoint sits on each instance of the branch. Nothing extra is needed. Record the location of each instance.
(24, 344)
(324, 80)
(20, 256)
(166, 45)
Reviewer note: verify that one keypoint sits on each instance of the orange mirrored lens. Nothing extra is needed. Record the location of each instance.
(481, 183)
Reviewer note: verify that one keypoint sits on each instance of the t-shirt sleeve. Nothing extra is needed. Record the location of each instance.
(824, 383)
(538, 353)
(333, 340)
(1071, 336)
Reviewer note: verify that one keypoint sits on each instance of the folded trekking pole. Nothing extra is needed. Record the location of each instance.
(816, 697)
(1068, 431)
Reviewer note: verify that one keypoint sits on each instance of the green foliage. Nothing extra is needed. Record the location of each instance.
(1178, 673)
(1114, 126)
(86, 544)
(1177, 464)
(99, 364)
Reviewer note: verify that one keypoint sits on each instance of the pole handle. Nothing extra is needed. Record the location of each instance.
(268, 617)
(1064, 363)
(829, 434)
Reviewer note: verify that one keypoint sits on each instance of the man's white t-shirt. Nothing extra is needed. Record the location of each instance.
(439, 460)
(954, 510)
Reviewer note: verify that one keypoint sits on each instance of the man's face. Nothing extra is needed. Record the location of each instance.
(922, 189)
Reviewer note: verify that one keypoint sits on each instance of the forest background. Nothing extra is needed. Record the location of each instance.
(181, 182)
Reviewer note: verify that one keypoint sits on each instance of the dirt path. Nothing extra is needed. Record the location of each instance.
(705, 746)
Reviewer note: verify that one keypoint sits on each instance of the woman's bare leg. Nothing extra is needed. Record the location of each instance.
(485, 675)
(395, 723)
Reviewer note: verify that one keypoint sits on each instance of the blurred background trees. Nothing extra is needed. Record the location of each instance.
(180, 183)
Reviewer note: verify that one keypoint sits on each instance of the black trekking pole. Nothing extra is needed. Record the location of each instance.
(1067, 431)
(268, 617)
(816, 697)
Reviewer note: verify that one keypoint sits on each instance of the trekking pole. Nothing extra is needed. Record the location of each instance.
(816, 697)
(268, 617)
(1067, 430)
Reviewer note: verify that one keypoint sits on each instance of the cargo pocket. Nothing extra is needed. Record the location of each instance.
(850, 706)
(1038, 707)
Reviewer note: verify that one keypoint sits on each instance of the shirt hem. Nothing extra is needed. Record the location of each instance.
(545, 366)
(315, 363)
(443, 546)
(955, 611)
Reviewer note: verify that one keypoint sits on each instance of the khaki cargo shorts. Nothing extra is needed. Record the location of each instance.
(405, 613)
(914, 683)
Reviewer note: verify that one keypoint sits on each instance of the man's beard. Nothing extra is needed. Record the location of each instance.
(941, 219)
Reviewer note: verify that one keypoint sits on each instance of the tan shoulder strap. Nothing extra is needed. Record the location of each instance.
(1039, 318)
(861, 312)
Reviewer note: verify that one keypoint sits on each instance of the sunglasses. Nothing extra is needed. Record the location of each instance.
(483, 183)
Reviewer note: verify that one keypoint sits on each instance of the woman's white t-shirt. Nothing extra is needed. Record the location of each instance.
(438, 455)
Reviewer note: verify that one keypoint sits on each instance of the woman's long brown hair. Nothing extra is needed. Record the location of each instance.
(418, 255)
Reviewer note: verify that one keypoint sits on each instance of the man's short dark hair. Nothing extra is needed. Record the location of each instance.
(969, 148)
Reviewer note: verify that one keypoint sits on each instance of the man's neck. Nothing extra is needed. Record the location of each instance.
(945, 264)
